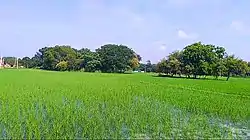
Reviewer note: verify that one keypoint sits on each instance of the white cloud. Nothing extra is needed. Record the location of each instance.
(183, 35)
(240, 26)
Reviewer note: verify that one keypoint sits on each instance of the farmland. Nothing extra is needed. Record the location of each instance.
(42, 104)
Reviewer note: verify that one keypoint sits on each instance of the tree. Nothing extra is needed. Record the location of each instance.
(49, 60)
(74, 64)
(141, 67)
(90, 60)
(199, 57)
(10, 60)
(205, 69)
(231, 65)
(115, 58)
(148, 67)
(38, 59)
(26, 62)
(201, 60)
(187, 70)
(248, 69)
(241, 68)
(139, 57)
(134, 63)
(162, 66)
(174, 63)
(93, 65)
(218, 66)
(48, 57)
(153, 68)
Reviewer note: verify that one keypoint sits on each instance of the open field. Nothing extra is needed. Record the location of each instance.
(41, 104)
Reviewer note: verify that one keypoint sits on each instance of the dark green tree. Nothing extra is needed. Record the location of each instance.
(93, 65)
(199, 57)
(26, 62)
(162, 67)
(231, 65)
(115, 58)
(174, 63)
(10, 60)
(148, 67)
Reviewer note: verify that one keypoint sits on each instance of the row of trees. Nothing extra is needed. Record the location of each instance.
(147, 67)
(107, 58)
(194, 60)
(201, 60)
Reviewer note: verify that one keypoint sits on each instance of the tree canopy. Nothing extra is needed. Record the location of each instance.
(107, 58)
(117, 58)
(200, 59)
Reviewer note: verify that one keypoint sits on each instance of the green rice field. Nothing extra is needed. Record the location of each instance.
(38, 104)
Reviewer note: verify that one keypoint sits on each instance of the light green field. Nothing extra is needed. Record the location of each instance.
(41, 104)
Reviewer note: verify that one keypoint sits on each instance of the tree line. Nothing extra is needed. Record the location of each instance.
(194, 61)
(107, 58)
(200, 60)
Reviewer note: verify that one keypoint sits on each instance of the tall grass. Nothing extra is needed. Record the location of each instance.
(41, 104)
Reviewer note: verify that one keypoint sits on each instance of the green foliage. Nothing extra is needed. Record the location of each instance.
(10, 60)
(231, 64)
(200, 57)
(39, 104)
(197, 60)
(108, 58)
(91, 60)
(62, 66)
(162, 66)
(174, 63)
(218, 68)
(26, 62)
(115, 58)
(93, 65)
(134, 63)
(202, 60)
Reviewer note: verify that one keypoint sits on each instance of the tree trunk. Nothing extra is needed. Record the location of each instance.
(228, 76)
(195, 76)
(216, 77)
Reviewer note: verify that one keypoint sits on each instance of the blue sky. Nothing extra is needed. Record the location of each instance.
(153, 28)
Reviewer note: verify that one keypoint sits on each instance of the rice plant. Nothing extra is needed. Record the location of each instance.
(66, 105)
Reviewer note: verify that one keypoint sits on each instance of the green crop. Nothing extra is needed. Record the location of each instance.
(42, 104)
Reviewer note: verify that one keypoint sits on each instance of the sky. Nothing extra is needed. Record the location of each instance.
(152, 28)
